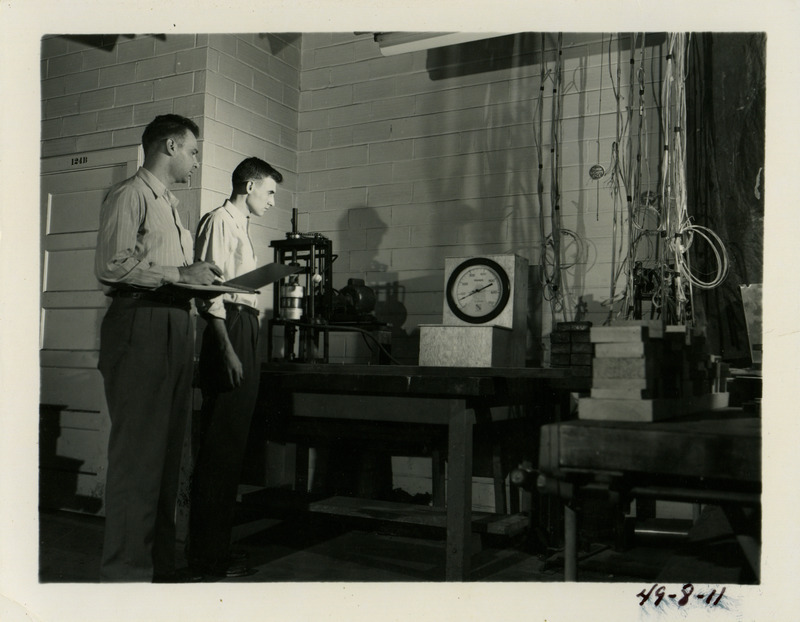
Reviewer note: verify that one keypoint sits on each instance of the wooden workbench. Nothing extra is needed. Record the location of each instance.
(712, 457)
(455, 398)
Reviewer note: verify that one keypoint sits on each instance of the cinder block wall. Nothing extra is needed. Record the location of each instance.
(251, 109)
(400, 160)
(100, 92)
(408, 159)
(242, 90)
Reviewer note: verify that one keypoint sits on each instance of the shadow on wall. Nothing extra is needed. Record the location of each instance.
(482, 56)
(587, 309)
(725, 162)
(58, 475)
(390, 307)
(492, 176)
(504, 52)
(276, 44)
(364, 231)
(104, 42)
(508, 163)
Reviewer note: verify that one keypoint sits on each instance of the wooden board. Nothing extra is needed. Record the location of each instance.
(624, 368)
(625, 349)
(614, 334)
(623, 384)
(720, 445)
(647, 410)
(74, 422)
(654, 328)
(396, 380)
(482, 522)
(621, 393)
(573, 326)
(406, 409)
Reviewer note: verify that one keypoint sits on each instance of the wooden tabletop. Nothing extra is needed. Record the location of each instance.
(412, 379)
(724, 444)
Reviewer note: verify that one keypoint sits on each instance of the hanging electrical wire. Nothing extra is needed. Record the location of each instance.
(634, 241)
(629, 178)
(640, 137)
(597, 171)
(551, 264)
(647, 198)
(634, 168)
(682, 256)
(676, 298)
(616, 181)
(652, 236)
(538, 137)
(555, 172)
(671, 296)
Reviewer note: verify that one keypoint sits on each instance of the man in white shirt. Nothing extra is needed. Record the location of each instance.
(229, 371)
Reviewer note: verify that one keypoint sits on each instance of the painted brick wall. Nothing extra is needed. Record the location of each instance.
(408, 159)
(401, 161)
(242, 90)
(100, 92)
(251, 109)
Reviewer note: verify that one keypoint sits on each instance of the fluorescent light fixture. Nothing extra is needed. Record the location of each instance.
(391, 43)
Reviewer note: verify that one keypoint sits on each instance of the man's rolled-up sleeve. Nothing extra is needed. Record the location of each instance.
(210, 246)
(121, 216)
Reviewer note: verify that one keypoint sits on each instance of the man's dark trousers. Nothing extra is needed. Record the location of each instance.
(146, 359)
(221, 436)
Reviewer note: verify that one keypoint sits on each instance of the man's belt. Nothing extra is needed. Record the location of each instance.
(243, 308)
(147, 295)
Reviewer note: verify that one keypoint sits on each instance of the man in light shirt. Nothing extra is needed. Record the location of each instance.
(146, 351)
(229, 371)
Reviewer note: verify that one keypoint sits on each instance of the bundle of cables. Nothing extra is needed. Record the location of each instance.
(678, 231)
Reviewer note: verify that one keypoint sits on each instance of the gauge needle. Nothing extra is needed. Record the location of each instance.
(475, 291)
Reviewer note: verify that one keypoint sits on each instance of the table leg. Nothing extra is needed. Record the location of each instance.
(459, 494)
(498, 476)
(438, 478)
(744, 530)
(570, 543)
(301, 474)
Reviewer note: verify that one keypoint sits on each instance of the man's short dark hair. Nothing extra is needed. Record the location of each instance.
(253, 169)
(167, 126)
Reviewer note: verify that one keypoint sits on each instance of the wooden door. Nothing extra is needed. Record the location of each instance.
(74, 420)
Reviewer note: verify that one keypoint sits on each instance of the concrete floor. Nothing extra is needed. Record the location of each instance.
(306, 548)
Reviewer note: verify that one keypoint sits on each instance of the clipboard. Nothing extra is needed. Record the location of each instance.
(248, 283)
(214, 288)
(260, 277)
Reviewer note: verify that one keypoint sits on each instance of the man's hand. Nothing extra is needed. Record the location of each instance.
(233, 367)
(199, 273)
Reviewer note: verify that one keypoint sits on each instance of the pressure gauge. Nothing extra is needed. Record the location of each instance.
(477, 290)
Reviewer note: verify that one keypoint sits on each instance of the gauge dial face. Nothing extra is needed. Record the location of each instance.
(478, 290)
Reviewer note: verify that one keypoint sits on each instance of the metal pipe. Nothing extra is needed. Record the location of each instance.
(660, 531)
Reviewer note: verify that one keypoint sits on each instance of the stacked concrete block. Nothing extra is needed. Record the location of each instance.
(644, 371)
(570, 346)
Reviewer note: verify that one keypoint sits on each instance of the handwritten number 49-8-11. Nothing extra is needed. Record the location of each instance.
(659, 593)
